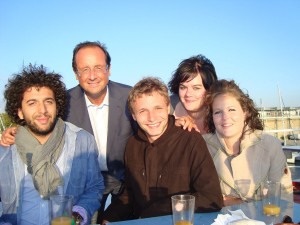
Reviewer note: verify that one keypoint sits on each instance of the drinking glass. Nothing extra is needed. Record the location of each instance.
(270, 194)
(183, 207)
(61, 209)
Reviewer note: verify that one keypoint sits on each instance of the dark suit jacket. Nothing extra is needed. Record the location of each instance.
(120, 123)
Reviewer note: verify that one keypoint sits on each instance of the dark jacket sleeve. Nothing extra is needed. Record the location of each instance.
(204, 180)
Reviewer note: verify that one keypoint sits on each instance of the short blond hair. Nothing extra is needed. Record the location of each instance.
(147, 85)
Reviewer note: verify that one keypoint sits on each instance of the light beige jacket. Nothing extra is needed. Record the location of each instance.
(261, 158)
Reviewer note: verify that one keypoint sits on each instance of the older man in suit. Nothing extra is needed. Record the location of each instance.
(100, 106)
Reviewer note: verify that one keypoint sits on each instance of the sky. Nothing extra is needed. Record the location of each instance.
(254, 42)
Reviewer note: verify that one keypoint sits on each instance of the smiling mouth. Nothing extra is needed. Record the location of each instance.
(189, 101)
(227, 125)
(155, 125)
(94, 84)
(42, 121)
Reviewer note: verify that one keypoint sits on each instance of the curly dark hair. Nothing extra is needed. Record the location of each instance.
(230, 87)
(89, 44)
(189, 68)
(33, 76)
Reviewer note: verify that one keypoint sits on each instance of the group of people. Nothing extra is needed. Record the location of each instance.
(103, 138)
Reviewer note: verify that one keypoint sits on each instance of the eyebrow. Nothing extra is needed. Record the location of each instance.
(195, 85)
(46, 99)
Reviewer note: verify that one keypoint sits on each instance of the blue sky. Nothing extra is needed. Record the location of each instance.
(256, 43)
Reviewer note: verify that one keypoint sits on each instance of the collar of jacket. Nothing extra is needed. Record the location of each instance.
(250, 138)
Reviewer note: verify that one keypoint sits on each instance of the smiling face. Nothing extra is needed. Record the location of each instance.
(94, 84)
(151, 113)
(228, 116)
(192, 93)
(39, 111)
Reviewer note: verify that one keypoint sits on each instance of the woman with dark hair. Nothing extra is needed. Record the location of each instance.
(188, 86)
(243, 154)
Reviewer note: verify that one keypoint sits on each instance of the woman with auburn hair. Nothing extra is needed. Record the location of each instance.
(242, 152)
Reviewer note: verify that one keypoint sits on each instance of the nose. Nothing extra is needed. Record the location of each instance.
(225, 115)
(188, 92)
(151, 116)
(42, 108)
(92, 75)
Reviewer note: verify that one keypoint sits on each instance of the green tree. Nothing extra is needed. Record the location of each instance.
(5, 121)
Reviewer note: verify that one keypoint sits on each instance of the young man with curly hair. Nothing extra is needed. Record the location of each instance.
(49, 156)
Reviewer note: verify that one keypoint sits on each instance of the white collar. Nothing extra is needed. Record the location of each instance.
(104, 103)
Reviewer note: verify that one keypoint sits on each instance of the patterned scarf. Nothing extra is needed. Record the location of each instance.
(41, 159)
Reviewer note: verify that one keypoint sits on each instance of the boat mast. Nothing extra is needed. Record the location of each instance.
(281, 110)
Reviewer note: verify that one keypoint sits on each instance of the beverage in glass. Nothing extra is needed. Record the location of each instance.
(61, 209)
(270, 194)
(183, 207)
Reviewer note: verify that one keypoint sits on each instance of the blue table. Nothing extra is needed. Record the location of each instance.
(253, 210)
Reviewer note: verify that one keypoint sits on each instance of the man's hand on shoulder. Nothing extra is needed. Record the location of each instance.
(8, 136)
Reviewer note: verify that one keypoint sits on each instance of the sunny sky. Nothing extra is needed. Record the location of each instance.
(256, 43)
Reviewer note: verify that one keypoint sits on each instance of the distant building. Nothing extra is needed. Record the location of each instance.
(282, 123)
